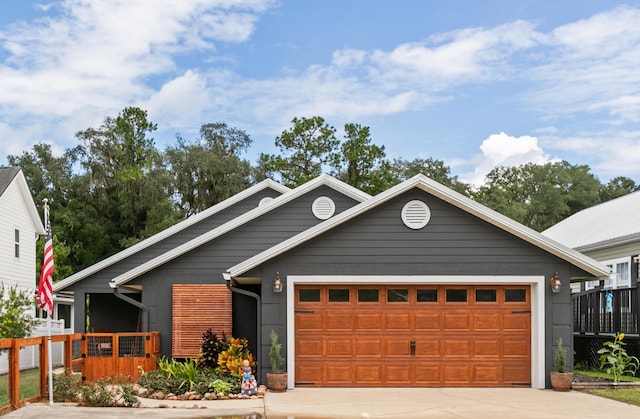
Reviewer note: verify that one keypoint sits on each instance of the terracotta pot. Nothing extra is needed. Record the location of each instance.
(277, 381)
(561, 381)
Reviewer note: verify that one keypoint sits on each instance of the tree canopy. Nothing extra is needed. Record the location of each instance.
(115, 188)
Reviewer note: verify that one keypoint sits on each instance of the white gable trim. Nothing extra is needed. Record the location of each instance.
(268, 183)
(448, 195)
(237, 222)
(537, 284)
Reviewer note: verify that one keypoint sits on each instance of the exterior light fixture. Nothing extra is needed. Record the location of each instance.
(555, 283)
(277, 284)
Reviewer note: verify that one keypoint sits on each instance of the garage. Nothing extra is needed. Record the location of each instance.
(376, 335)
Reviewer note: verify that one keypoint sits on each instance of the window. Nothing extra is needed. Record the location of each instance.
(397, 295)
(16, 248)
(456, 296)
(620, 276)
(367, 295)
(518, 295)
(309, 295)
(427, 295)
(338, 295)
(485, 296)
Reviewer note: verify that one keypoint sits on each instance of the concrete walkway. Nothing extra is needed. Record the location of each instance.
(367, 403)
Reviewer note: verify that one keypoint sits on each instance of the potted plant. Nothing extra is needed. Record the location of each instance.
(276, 379)
(561, 380)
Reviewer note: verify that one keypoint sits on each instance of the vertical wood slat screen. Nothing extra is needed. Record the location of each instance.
(196, 308)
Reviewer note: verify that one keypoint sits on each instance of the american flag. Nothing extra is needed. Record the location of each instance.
(45, 287)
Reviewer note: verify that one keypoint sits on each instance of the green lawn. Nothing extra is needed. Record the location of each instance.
(626, 395)
(29, 385)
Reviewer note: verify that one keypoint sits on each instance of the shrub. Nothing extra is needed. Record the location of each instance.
(274, 352)
(66, 387)
(561, 357)
(158, 381)
(103, 393)
(210, 349)
(230, 360)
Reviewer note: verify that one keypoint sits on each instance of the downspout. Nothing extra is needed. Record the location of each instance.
(145, 310)
(227, 279)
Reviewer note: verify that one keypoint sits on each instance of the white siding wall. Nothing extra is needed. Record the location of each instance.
(14, 214)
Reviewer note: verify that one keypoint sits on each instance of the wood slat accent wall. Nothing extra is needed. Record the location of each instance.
(196, 308)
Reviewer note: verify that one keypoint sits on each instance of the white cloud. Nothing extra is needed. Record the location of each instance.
(504, 150)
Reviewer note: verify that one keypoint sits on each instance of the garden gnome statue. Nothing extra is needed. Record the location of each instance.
(249, 385)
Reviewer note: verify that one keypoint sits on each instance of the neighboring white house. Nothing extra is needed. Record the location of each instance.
(609, 233)
(20, 228)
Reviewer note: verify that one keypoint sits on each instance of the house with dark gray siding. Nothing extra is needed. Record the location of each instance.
(417, 286)
(172, 282)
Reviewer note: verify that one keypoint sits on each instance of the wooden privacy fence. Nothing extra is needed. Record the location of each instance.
(94, 355)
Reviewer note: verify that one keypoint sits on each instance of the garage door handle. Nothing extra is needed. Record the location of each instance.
(413, 347)
(304, 311)
(520, 311)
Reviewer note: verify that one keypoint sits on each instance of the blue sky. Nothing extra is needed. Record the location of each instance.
(477, 84)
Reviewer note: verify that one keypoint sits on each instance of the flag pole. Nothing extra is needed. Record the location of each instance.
(49, 305)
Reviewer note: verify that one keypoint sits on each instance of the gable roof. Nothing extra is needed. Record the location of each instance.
(324, 180)
(608, 224)
(15, 174)
(448, 195)
(265, 184)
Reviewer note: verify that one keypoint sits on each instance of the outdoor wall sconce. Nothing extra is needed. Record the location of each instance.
(277, 284)
(555, 283)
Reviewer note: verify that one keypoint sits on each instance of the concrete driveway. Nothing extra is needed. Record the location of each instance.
(367, 403)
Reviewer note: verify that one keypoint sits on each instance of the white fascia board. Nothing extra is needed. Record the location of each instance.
(268, 183)
(237, 222)
(446, 194)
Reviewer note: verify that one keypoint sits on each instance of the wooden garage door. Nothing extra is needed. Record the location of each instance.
(425, 336)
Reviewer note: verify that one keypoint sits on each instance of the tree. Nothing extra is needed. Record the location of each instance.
(16, 320)
(359, 160)
(125, 176)
(616, 187)
(539, 196)
(432, 168)
(209, 169)
(305, 149)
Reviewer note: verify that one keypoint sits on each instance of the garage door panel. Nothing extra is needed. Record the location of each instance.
(426, 342)
(341, 320)
(429, 347)
(339, 347)
(309, 321)
(486, 321)
(340, 374)
(487, 374)
(397, 348)
(516, 374)
(310, 347)
(368, 321)
(516, 347)
(369, 347)
(428, 374)
(428, 321)
(398, 375)
(309, 373)
(397, 321)
(487, 348)
(518, 322)
(457, 374)
(457, 321)
(456, 348)
(369, 374)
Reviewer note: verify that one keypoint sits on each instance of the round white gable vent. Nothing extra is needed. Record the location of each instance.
(323, 207)
(265, 201)
(415, 214)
